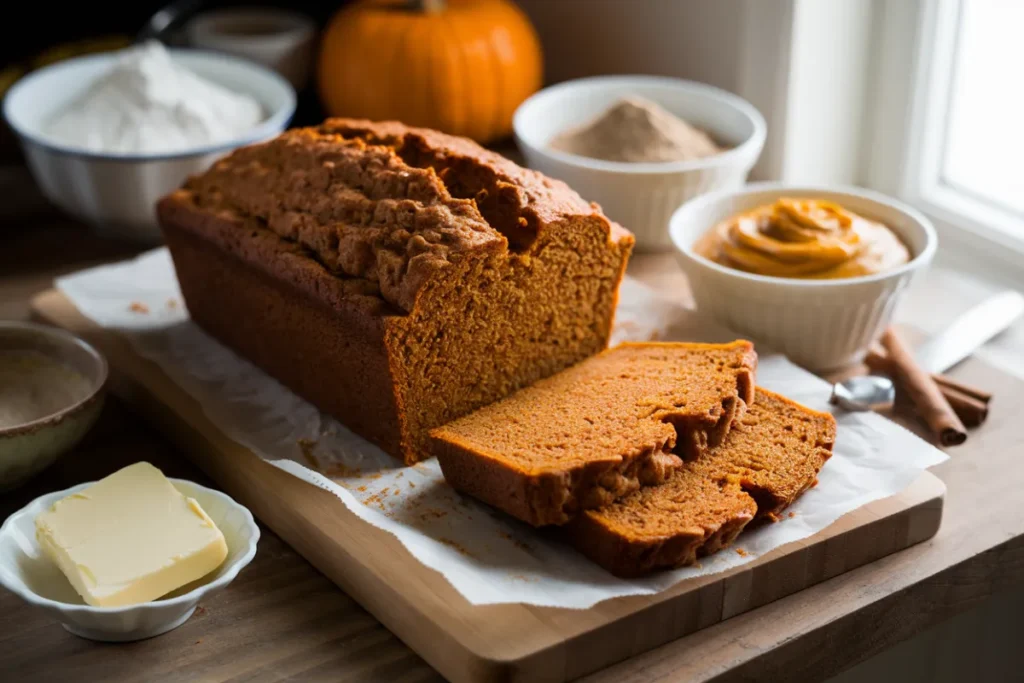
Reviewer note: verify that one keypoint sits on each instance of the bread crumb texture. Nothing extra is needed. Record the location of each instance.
(772, 454)
(599, 430)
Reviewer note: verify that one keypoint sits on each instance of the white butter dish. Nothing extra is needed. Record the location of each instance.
(26, 571)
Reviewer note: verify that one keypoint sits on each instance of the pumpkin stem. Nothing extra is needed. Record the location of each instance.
(427, 6)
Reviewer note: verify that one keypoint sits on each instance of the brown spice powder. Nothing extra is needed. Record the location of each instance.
(637, 130)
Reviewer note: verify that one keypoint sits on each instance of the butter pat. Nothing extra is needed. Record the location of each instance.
(130, 538)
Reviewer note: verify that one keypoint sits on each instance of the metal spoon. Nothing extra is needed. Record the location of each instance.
(865, 392)
(168, 19)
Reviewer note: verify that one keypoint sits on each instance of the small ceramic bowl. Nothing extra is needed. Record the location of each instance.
(117, 193)
(28, 447)
(280, 39)
(26, 571)
(643, 196)
(819, 324)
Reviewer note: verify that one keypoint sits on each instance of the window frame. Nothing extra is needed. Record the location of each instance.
(908, 118)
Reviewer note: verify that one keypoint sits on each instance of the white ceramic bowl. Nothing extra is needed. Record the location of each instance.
(641, 197)
(29, 448)
(819, 324)
(28, 573)
(280, 39)
(118, 192)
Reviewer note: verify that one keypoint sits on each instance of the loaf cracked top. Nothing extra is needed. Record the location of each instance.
(383, 202)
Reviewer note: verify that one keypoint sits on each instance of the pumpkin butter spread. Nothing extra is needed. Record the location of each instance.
(803, 238)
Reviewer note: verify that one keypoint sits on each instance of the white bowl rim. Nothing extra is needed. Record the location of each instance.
(274, 123)
(920, 259)
(748, 147)
(231, 570)
(68, 339)
(293, 25)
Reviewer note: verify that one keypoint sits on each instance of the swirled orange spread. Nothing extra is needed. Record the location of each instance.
(803, 238)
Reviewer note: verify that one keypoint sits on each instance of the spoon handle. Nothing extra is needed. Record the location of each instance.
(166, 19)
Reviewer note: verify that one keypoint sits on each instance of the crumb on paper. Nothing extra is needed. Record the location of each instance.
(432, 513)
(341, 470)
(741, 552)
(412, 484)
(522, 577)
(396, 491)
(138, 307)
(515, 541)
(307, 446)
(362, 489)
(399, 475)
(792, 515)
(452, 544)
(378, 499)
(172, 304)
(375, 475)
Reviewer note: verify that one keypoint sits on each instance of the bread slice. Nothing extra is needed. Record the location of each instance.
(597, 431)
(770, 456)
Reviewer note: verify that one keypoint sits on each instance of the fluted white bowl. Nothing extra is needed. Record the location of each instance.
(641, 196)
(819, 324)
(26, 571)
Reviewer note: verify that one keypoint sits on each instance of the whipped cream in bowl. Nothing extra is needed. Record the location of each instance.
(107, 135)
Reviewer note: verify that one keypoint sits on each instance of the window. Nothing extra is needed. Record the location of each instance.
(948, 127)
(983, 149)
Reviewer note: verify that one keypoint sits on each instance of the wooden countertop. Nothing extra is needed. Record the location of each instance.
(281, 619)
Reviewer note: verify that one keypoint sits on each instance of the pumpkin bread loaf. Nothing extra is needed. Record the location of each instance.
(396, 277)
(597, 431)
(771, 455)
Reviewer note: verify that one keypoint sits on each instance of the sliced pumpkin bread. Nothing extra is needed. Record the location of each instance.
(771, 455)
(599, 430)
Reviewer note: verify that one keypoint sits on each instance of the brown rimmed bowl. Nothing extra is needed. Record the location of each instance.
(30, 447)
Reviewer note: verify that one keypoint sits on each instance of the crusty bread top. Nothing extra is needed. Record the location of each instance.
(383, 202)
(622, 404)
(772, 454)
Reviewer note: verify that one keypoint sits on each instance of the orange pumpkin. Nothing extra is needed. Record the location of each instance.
(460, 66)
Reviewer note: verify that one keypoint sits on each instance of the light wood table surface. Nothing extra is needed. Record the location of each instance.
(282, 620)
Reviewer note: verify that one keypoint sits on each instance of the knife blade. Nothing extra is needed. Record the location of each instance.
(970, 331)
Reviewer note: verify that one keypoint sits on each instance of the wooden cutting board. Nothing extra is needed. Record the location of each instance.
(503, 642)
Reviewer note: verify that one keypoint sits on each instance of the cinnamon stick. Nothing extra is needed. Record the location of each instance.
(971, 411)
(877, 359)
(924, 392)
(969, 403)
(973, 392)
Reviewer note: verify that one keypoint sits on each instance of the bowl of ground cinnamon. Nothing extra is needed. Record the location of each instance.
(640, 146)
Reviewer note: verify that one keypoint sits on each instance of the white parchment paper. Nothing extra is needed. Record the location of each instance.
(486, 556)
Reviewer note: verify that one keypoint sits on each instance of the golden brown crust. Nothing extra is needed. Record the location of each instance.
(332, 356)
(770, 456)
(715, 516)
(458, 277)
(597, 431)
(383, 202)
